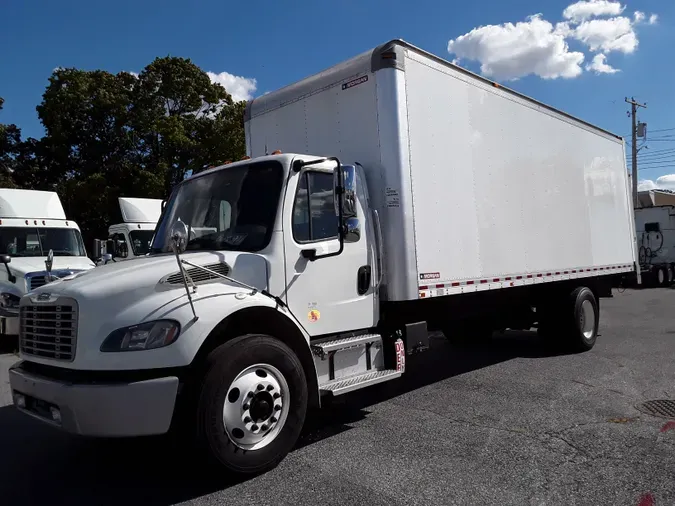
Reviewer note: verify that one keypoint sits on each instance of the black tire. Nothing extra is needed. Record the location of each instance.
(669, 277)
(223, 365)
(661, 276)
(580, 333)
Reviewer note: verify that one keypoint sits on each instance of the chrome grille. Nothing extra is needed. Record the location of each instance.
(198, 275)
(49, 330)
(37, 279)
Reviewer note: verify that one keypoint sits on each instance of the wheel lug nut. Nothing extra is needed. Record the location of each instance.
(247, 419)
(260, 387)
(273, 420)
(276, 395)
(246, 406)
(277, 408)
(270, 388)
(249, 395)
(264, 427)
(254, 427)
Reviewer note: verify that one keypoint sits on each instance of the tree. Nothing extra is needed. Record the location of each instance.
(183, 119)
(111, 135)
(10, 139)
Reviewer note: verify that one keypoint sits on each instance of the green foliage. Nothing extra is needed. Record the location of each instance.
(110, 135)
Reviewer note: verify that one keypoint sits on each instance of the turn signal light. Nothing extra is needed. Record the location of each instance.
(277, 152)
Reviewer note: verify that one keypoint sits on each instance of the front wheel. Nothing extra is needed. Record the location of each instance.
(253, 403)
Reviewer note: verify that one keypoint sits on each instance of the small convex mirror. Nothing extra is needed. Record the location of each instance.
(179, 235)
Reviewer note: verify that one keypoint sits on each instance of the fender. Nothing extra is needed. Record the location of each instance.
(270, 320)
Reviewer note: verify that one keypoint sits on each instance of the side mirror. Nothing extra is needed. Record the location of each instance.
(121, 248)
(352, 230)
(179, 237)
(98, 248)
(348, 197)
(5, 259)
(110, 247)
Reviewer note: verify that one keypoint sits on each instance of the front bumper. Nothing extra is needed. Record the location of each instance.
(124, 409)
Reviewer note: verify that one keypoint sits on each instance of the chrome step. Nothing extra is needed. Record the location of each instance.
(322, 349)
(344, 386)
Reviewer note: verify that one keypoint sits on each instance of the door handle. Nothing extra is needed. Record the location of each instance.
(363, 279)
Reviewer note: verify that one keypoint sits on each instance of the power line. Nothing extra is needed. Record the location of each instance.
(656, 151)
(657, 162)
(644, 159)
(667, 166)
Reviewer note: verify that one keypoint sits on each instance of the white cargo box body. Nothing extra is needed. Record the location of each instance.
(479, 187)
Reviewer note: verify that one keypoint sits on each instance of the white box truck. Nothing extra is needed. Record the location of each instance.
(132, 237)
(409, 194)
(655, 228)
(37, 244)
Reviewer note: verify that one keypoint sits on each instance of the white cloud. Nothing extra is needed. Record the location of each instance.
(241, 88)
(535, 46)
(606, 35)
(584, 10)
(666, 182)
(599, 65)
(646, 185)
(510, 51)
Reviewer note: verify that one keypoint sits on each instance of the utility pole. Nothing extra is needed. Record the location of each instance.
(634, 106)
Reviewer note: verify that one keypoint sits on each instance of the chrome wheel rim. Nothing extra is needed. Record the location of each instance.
(256, 407)
(587, 319)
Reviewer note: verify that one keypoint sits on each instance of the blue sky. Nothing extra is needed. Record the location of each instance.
(582, 57)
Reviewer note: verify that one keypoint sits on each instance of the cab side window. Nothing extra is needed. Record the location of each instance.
(314, 216)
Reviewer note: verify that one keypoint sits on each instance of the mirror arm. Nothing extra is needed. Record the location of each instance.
(11, 277)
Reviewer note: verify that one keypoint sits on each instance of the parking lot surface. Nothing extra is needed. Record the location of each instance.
(512, 423)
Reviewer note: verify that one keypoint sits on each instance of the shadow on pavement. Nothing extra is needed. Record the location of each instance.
(41, 465)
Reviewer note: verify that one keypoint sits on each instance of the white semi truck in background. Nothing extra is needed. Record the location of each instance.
(131, 238)
(409, 195)
(37, 245)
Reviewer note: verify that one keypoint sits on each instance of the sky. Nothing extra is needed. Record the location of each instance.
(581, 57)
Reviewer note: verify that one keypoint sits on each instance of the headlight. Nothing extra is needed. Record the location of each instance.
(9, 300)
(145, 336)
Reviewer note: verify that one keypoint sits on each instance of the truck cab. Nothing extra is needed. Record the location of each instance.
(132, 237)
(37, 245)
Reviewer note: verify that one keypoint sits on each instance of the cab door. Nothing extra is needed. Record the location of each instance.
(336, 293)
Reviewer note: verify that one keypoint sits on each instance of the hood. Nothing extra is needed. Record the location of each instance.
(23, 265)
(138, 278)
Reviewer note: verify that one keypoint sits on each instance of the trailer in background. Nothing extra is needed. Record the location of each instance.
(655, 227)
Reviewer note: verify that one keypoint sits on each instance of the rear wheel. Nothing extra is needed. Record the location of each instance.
(661, 276)
(253, 403)
(573, 321)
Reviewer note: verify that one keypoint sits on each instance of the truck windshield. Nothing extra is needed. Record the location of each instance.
(37, 241)
(140, 241)
(229, 209)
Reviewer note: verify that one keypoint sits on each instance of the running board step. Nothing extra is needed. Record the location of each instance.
(323, 349)
(344, 386)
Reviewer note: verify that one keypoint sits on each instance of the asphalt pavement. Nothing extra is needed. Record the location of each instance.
(511, 423)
